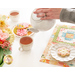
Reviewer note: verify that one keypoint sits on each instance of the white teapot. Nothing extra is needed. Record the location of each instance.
(40, 25)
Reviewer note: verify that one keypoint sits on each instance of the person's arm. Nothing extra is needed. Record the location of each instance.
(67, 15)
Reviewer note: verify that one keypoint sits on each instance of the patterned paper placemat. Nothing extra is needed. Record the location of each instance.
(62, 34)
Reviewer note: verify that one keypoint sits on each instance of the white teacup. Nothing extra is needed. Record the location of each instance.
(26, 43)
(14, 15)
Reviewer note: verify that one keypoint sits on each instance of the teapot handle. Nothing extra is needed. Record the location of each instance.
(32, 30)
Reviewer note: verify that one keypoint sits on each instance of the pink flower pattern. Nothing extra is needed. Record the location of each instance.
(62, 29)
(26, 25)
(58, 39)
(21, 32)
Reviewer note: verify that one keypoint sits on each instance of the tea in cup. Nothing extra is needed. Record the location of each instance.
(25, 43)
(14, 15)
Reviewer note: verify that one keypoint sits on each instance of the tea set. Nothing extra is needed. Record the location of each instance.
(37, 25)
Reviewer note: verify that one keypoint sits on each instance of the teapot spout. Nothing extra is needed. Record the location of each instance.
(32, 30)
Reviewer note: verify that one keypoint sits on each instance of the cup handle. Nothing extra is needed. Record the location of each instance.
(20, 49)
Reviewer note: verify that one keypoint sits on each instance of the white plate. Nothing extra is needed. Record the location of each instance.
(20, 36)
(60, 58)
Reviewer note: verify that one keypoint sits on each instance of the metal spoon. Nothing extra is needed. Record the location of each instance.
(32, 30)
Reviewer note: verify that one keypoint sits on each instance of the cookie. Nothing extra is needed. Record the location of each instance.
(22, 26)
(63, 52)
(21, 29)
(21, 32)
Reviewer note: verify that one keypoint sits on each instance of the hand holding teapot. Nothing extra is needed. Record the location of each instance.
(40, 25)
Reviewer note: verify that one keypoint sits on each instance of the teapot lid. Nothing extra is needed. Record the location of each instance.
(34, 17)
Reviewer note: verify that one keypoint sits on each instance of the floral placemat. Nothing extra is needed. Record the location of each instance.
(62, 34)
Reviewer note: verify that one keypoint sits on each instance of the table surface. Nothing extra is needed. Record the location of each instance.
(29, 58)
